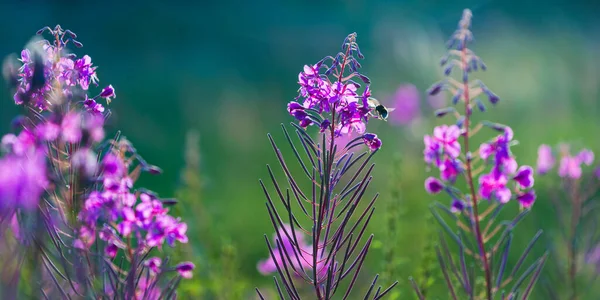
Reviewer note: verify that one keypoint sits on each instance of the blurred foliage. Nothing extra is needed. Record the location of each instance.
(225, 70)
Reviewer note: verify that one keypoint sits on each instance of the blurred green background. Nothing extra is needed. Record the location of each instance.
(226, 69)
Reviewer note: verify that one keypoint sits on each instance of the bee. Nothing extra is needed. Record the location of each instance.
(381, 112)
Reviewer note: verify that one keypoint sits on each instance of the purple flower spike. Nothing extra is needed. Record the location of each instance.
(457, 206)
(185, 269)
(586, 156)
(372, 141)
(597, 172)
(433, 185)
(545, 160)
(524, 177)
(526, 199)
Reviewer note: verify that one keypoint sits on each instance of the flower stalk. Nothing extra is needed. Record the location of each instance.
(504, 182)
(469, 175)
(329, 99)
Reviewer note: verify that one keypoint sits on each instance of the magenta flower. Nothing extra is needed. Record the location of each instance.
(433, 185)
(447, 137)
(493, 185)
(153, 264)
(84, 71)
(23, 180)
(450, 169)
(526, 199)
(146, 219)
(92, 106)
(47, 131)
(112, 165)
(406, 102)
(569, 167)
(442, 149)
(269, 265)
(299, 259)
(185, 269)
(44, 68)
(545, 160)
(457, 206)
(524, 177)
(71, 127)
(108, 93)
(372, 141)
(586, 156)
(432, 152)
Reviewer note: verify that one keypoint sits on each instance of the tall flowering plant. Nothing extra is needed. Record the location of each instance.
(79, 228)
(319, 230)
(576, 251)
(493, 180)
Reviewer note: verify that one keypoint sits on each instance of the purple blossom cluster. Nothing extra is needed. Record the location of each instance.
(504, 172)
(118, 215)
(88, 203)
(570, 166)
(492, 173)
(26, 155)
(505, 180)
(48, 73)
(23, 173)
(286, 247)
(331, 100)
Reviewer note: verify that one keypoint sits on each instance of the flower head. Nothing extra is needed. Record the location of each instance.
(406, 102)
(23, 179)
(570, 167)
(49, 73)
(433, 185)
(185, 269)
(328, 93)
(545, 160)
(296, 248)
(372, 141)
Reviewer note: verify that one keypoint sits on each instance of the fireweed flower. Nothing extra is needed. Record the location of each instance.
(433, 185)
(573, 201)
(570, 166)
(332, 101)
(50, 170)
(491, 171)
(406, 101)
(545, 160)
(23, 179)
(139, 215)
